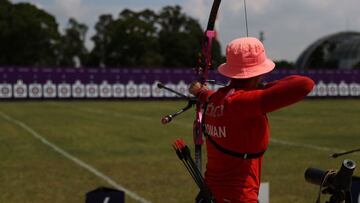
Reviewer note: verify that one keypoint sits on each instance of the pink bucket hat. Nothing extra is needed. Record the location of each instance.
(245, 58)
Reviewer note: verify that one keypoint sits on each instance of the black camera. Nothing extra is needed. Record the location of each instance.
(335, 183)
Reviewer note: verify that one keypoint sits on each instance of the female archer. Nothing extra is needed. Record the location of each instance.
(235, 122)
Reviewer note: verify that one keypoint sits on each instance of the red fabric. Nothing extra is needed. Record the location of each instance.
(236, 119)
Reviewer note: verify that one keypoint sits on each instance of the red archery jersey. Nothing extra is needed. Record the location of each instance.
(236, 120)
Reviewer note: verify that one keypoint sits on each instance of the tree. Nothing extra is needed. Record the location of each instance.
(102, 40)
(73, 51)
(284, 64)
(135, 39)
(147, 39)
(130, 40)
(28, 35)
(180, 37)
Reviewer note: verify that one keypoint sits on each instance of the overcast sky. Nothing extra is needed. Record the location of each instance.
(289, 25)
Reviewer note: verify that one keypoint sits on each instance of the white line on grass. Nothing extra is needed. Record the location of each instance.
(145, 118)
(309, 146)
(74, 159)
(131, 116)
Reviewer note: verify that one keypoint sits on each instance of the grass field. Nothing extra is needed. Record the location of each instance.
(126, 142)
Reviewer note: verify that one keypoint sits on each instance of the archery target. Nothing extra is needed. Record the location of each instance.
(78, 90)
(168, 93)
(49, 90)
(354, 89)
(132, 90)
(313, 92)
(20, 90)
(181, 87)
(105, 90)
(92, 90)
(343, 89)
(64, 90)
(144, 90)
(5, 91)
(321, 89)
(119, 90)
(35, 90)
(155, 91)
(333, 89)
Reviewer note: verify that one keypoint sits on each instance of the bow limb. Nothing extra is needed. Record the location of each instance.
(202, 71)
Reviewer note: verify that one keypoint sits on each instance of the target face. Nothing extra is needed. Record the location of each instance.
(118, 90)
(182, 90)
(78, 90)
(64, 90)
(49, 90)
(35, 90)
(333, 91)
(131, 90)
(321, 90)
(354, 90)
(5, 90)
(20, 90)
(92, 90)
(144, 91)
(106, 90)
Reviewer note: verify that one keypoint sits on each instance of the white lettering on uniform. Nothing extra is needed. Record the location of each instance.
(222, 131)
(216, 131)
(215, 111)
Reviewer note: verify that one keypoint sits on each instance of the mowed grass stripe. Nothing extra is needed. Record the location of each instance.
(77, 161)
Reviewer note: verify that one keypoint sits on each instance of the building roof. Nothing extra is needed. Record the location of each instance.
(338, 51)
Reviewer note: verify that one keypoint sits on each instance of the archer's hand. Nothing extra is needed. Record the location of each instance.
(195, 87)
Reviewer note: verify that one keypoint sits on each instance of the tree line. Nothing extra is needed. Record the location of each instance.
(30, 36)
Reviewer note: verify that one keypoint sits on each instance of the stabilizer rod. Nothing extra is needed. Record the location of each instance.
(191, 101)
(335, 155)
